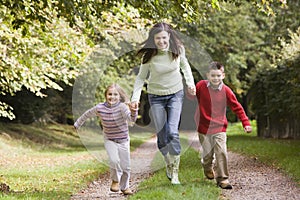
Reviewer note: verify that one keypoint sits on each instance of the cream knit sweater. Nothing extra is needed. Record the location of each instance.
(163, 75)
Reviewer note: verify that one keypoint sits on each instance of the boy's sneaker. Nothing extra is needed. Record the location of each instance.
(127, 192)
(210, 174)
(114, 186)
(225, 186)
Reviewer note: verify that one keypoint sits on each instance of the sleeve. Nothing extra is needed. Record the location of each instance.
(88, 114)
(139, 82)
(236, 107)
(198, 85)
(186, 69)
(197, 97)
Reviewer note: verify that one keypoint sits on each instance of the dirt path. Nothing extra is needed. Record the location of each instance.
(141, 160)
(251, 180)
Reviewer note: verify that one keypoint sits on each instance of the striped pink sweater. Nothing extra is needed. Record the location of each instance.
(114, 119)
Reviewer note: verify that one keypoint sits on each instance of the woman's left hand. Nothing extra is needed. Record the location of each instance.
(192, 90)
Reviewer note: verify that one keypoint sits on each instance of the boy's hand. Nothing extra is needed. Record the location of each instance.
(248, 129)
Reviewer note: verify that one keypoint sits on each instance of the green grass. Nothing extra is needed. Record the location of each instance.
(57, 182)
(193, 184)
(48, 162)
(281, 154)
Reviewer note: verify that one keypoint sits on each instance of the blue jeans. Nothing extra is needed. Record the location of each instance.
(166, 111)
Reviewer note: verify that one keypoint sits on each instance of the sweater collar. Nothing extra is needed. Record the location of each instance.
(163, 51)
(218, 88)
(111, 106)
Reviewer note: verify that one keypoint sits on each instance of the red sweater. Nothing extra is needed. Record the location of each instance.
(211, 112)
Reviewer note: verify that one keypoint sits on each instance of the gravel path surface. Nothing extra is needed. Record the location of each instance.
(141, 160)
(251, 179)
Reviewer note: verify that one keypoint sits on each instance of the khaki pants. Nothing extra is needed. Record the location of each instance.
(119, 160)
(214, 147)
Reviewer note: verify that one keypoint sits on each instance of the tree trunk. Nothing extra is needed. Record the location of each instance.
(282, 127)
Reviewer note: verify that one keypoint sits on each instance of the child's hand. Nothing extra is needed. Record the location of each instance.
(134, 106)
(192, 90)
(248, 129)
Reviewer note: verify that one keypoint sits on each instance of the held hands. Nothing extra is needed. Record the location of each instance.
(134, 106)
(192, 90)
(248, 129)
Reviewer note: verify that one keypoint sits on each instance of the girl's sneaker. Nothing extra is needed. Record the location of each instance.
(127, 192)
(114, 186)
(225, 186)
(210, 174)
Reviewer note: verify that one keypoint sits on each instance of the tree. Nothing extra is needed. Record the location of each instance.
(275, 93)
(38, 60)
(74, 11)
(35, 57)
(277, 96)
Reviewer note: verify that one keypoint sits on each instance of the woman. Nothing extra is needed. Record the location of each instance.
(163, 63)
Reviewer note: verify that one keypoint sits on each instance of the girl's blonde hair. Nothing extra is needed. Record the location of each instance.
(123, 96)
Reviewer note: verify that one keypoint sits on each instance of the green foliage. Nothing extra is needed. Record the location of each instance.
(74, 11)
(290, 50)
(39, 60)
(45, 43)
(239, 44)
(45, 58)
(277, 91)
(195, 12)
(6, 111)
(275, 95)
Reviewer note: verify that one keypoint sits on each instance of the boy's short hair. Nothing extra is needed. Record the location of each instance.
(215, 65)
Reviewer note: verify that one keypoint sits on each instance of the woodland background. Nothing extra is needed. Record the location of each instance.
(46, 46)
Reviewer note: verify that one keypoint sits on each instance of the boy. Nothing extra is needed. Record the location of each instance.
(213, 97)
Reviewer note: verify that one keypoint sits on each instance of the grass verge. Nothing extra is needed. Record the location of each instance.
(193, 184)
(47, 162)
(50, 162)
(282, 154)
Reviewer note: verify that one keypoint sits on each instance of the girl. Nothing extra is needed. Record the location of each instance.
(163, 58)
(114, 115)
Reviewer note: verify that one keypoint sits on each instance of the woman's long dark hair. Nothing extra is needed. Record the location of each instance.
(149, 48)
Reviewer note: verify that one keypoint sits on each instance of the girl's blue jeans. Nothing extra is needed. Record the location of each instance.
(166, 111)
